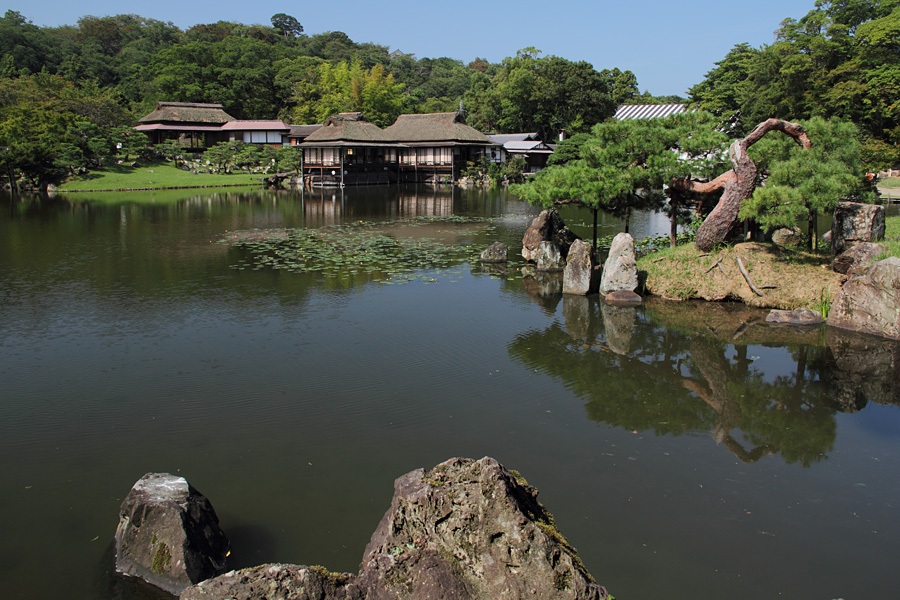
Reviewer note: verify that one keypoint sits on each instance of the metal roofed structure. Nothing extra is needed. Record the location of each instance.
(648, 111)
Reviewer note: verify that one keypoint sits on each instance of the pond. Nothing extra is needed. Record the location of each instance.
(687, 450)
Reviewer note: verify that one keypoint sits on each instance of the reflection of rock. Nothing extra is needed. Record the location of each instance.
(577, 315)
(168, 534)
(798, 316)
(619, 322)
(624, 298)
(497, 252)
(620, 268)
(547, 227)
(858, 258)
(580, 277)
(494, 268)
(865, 368)
(542, 283)
(854, 223)
(464, 530)
(547, 257)
(870, 303)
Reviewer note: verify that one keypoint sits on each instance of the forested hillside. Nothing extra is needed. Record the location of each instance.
(840, 60)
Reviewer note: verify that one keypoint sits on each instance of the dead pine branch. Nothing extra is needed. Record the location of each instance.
(746, 275)
(718, 262)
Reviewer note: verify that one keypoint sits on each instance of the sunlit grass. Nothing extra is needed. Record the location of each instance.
(153, 176)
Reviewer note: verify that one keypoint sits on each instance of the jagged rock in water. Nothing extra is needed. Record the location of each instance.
(168, 534)
(466, 529)
(798, 316)
(547, 257)
(470, 529)
(854, 223)
(497, 252)
(579, 276)
(548, 226)
(858, 258)
(620, 268)
(870, 303)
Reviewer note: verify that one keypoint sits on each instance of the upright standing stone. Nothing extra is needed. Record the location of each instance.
(168, 534)
(620, 269)
(579, 276)
(854, 223)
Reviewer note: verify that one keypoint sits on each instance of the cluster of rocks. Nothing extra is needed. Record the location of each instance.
(552, 246)
(466, 529)
(869, 300)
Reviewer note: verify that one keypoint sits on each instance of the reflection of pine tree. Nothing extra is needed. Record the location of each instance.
(671, 382)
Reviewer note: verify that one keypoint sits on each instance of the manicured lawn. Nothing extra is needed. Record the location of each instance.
(153, 176)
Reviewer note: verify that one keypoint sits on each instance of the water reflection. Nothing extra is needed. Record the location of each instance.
(672, 368)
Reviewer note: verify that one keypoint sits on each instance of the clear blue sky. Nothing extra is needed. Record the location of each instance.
(668, 45)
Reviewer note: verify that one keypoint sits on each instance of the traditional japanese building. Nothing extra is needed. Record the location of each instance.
(195, 124)
(436, 147)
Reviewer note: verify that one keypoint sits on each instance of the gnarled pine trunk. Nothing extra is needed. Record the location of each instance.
(737, 184)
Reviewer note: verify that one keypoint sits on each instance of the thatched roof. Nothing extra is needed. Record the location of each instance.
(344, 129)
(303, 131)
(187, 112)
(434, 127)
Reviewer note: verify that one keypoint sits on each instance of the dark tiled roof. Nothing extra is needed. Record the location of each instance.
(648, 111)
(347, 127)
(503, 138)
(187, 112)
(434, 127)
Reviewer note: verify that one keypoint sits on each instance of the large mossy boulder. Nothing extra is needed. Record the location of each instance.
(466, 529)
(854, 223)
(870, 303)
(168, 534)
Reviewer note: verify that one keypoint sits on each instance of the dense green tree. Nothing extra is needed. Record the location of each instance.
(624, 165)
(346, 88)
(544, 95)
(287, 25)
(839, 60)
(623, 85)
(800, 183)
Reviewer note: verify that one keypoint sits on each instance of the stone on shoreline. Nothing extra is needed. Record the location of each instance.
(798, 316)
(853, 223)
(870, 303)
(168, 534)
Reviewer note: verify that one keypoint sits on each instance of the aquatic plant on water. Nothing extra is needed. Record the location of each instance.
(389, 252)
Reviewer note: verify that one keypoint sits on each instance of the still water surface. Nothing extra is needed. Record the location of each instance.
(686, 450)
